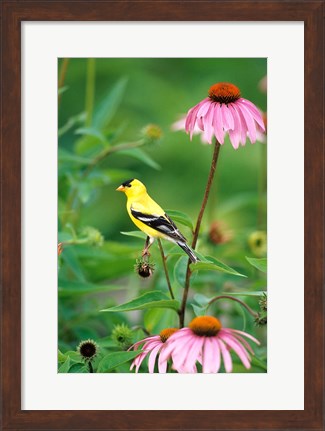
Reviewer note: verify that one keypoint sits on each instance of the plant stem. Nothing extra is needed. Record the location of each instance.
(165, 269)
(63, 72)
(91, 370)
(90, 91)
(252, 312)
(197, 229)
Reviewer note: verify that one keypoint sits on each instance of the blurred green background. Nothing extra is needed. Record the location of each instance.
(107, 102)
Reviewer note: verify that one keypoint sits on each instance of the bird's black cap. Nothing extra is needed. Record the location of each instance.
(127, 183)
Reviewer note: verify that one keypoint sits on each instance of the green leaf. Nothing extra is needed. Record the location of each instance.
(136, 234)
(180, 270)
(198, 310)
(66, 156)
(157, 319)
(65, 366)
(214, 265)
(140, 155)
(67, 287)
(70, 259)
(259, 363)
(154, 299)
(79, 367)
(113, 360)
(237, 202)
(107, 342)
(257, 293)
(109, 105)
(61, 90)
(201, 299)
(61, 356)
(260, 264)
(91, 131)
(180, 217)
(72, 121)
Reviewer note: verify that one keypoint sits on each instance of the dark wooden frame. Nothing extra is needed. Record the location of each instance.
(13, 13)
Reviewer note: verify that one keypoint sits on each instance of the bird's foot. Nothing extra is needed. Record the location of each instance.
(145, 253)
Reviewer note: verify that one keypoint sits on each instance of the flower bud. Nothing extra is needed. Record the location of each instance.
(218, 234)
(88, 350)
(122, 335)
(151, 133)
(144, 268)
(261, 319)
(257, 242)
(93, 236)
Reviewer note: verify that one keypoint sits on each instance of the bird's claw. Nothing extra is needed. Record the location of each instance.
(145, 253)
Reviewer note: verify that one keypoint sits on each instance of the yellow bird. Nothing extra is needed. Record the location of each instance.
(149, 217)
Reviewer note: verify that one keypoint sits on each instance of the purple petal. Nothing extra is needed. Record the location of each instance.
(217, 124)
(249, 122)
(193, 353)
(173, 344)
(254, 111)
(200, 123)
(162, 364)
(211, 355)
(245, 334)
(235, 134)
(191, 119)
(138, 361)
(241, 352)
(205, 105)
(180, 354)
(226, 356)
(243, 127)
(240, 339)
(135, 345)
(152, 359)
(208, 126)
(228, 121)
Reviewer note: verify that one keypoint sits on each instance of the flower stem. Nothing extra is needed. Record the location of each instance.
(252, 312)
(90, 91)
(165, 269)
(91, 370)
(197, 229)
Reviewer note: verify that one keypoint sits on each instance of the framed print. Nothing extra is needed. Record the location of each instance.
(67, 68)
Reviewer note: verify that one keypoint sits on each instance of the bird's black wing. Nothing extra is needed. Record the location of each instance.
(163, 224)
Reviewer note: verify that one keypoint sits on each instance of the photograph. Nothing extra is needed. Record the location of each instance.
(171, 156)
(162, 215)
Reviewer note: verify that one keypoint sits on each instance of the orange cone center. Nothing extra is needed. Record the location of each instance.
(207, 326)
(166, 333)
(224, 92)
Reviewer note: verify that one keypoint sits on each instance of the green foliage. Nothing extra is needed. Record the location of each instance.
(260, 264)
(146, 301)
(115, 118)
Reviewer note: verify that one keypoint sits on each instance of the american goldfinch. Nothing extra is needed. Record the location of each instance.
(149, 217)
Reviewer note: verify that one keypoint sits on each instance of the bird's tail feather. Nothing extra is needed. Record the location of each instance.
(189, 251)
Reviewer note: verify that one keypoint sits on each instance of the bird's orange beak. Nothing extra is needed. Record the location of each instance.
(120, 189)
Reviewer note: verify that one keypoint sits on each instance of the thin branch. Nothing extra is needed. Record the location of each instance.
(165, 269)
(252, 312)
(197, 229)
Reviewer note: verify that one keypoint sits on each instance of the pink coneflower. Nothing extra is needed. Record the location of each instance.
(207, 342)
(152, 345)
(180, 125)
(225, 111)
